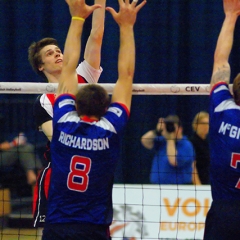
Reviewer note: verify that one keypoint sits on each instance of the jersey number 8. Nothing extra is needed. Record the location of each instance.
(79, 169)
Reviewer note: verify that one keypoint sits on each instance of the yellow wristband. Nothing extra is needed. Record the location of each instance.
(78, 18)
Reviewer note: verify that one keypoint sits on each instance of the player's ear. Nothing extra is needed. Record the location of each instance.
(41, 68)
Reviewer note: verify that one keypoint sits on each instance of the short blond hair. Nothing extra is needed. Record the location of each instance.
(198, 117)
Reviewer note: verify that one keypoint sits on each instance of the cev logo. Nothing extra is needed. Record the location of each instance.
(192, 89)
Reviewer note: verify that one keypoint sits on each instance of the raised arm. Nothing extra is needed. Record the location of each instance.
(79, 12)
(125, 18)
(221, 67)
(147, 139)
(92, 52)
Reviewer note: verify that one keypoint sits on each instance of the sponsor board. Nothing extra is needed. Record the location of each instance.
(159, 211)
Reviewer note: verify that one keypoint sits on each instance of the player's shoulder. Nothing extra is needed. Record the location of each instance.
(220, 86)
(44, 99)
(118, 109)
(43, 106)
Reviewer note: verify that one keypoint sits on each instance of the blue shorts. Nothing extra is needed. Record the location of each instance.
(223, 220)
(73, 231)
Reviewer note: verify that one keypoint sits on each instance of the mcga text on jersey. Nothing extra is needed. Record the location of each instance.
(231, 130)
(83, 143)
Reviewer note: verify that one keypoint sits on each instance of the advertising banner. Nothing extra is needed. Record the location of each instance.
(159, 211)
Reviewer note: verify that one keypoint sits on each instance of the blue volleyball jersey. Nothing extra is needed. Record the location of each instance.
(84, 155)
(224, 136)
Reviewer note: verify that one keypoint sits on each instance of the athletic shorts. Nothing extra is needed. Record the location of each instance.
(223, 220)
(73, 231)
(40, 197)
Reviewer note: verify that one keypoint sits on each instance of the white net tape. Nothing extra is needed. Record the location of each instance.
(138, 89)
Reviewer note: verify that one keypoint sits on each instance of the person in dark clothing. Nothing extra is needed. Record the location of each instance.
(200, 143)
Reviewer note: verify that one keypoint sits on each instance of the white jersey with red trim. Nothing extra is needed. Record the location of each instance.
(43, 112)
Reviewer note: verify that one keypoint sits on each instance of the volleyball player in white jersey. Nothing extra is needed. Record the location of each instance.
(46, 59)
(223, 218)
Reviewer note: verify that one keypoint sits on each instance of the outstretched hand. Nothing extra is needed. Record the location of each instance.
(127, 12)
(231, 6)
(79, 8)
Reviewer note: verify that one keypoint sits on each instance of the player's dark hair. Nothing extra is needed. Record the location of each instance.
(92, 100)
(236, 89)
(34, 56)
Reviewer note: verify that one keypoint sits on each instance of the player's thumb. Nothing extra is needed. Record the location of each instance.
(95, 6)
(112, 11)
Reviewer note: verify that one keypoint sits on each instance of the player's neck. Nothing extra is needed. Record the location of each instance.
(53, 78)
(89, 118)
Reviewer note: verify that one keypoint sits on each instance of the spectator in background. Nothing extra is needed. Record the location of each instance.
(174, 157)
(20, 150)
(200, 143)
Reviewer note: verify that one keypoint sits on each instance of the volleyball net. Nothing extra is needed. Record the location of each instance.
(141, 210)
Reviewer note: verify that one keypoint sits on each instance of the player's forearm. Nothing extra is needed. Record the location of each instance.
(126, 62)
(98, 19)
(4, 146)
(72, 48)
(147, 139)
(92, 52)
(225, 39)
(47, 129)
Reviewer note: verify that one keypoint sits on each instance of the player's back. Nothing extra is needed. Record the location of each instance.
(84, 155)
(224, 144)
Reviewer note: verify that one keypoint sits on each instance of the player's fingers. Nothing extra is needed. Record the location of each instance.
(120, 2)
(95, 6)
(138, 7)
(112, 11)
(134, 2)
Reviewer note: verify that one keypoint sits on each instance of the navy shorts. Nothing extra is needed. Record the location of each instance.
(73, 231)
(223, 220)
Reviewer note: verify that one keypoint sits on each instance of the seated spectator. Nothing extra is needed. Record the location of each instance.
(20, 150)
(174, 157)
(200, 143)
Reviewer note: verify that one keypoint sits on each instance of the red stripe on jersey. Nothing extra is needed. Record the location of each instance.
(51, 97)
(125, 107)
(81, 79)
(47, 182)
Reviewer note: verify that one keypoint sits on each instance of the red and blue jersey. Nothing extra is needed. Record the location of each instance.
(84, 156)
(224, 142)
